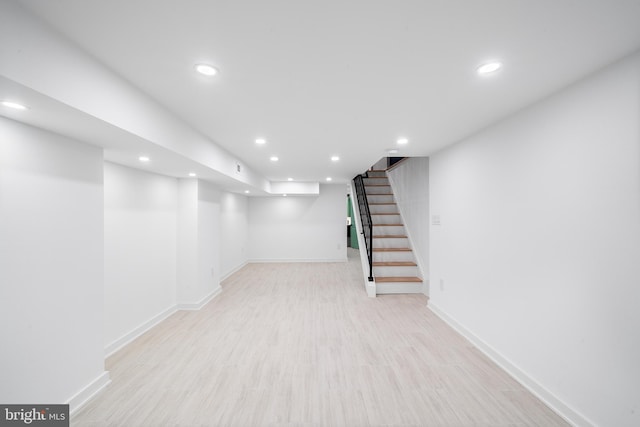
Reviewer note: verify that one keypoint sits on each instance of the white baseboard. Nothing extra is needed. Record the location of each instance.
(198, 305)
(234, 270)
(398, 288)
(136, 332)
(96, 386)
(77, 401)
(562, 409)
(287, 260)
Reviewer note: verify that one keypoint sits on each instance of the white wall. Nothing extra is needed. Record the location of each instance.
(198, 248)
(162, 249)
(51, 273)
(539, 247)
(140, 229)
(299, 228)
(208, 239)
(410, 183)
(187, 249)
(234, 232)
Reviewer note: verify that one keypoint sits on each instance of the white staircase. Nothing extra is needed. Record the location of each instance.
(394, 267)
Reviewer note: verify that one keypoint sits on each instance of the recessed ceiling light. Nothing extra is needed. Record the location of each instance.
(192, 174)
(289, 179)
(392, 151)
(144, 159)
(206, 69)
(247, 191)
(261, 141)
(284, 195)
(335, 158)
(274, 158)
(489, 67)
(14, 105)
(402, 141)
(328, 178)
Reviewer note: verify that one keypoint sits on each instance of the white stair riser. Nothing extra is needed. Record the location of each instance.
(381, 230)
(396, 271)
(399, 288)
(374, 209)
(377, 190)
(377, 173)
(376, 181)
(377, 198)
(384, 256)
(386, 219)
(393, 242)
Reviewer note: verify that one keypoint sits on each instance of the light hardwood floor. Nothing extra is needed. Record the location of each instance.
(302, 345)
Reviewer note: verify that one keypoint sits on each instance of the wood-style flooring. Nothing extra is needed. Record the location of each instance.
(301, 345)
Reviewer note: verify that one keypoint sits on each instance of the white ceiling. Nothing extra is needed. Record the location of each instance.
(347, 78)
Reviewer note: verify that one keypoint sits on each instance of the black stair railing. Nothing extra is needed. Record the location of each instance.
(365, 219)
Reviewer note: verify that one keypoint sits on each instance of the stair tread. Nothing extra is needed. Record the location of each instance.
(388, 203)
(389, 236)
(395, 264)
(391, 250)
(397, 279)
(388, 225)
(386, 213)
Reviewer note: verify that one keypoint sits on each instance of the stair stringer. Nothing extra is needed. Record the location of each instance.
(370, 287)
(416, 256)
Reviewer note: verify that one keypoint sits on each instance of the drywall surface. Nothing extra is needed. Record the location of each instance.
(234, 232)
(410, 183)
(538, 248)
(208, 240)
(51, 266)
(299, 228)
(187, 271)
(140, 248)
